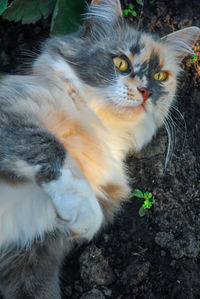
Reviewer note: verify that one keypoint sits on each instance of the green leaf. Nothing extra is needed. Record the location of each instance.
(194, 58)
(131, 6)
(125, 12)
(134, 13)
(3, 5)
(46, 7)
(66, 16)
(31, 13)
(140, 2)
(28, 11)
(146, 195)
(54, 15)
(142, 212)
(137, 193)
(147, 204)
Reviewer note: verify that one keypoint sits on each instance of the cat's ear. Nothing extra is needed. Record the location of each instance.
(183, 40)
(101, 14)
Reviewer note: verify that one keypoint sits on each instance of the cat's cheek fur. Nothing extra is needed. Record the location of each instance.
(75, 203)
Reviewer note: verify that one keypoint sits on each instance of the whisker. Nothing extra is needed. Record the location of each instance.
(171, 139)
(174, 121)
(180, 125)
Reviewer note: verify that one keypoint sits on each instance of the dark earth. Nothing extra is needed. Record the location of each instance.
(155, 256)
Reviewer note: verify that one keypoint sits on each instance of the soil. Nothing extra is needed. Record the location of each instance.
(155, 256)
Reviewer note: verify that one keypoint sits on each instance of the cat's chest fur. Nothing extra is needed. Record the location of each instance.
(96, 149)
(98, 146)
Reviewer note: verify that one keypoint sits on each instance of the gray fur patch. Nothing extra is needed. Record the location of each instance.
(33, 272)
(92, 59)
(95, 68)
(148, 69)
(137, 46)
(22, 139)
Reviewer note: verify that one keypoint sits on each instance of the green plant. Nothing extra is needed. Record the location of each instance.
(193, 59)
(3, 5)
(65, 13)
(130, 10)
(149, 200)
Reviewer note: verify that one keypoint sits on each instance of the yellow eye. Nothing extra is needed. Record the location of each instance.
(120, 63)
(161, 76)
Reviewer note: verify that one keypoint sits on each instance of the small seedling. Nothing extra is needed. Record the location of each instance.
(193, 59)
(149, 200)
(130, 10)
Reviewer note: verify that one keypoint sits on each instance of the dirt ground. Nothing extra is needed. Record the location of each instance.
(155, 256)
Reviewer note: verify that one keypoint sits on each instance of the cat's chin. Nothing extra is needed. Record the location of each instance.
(135, 109)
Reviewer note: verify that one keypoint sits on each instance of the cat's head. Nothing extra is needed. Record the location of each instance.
(129, 73)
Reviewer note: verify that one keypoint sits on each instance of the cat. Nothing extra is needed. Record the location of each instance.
(66, 128)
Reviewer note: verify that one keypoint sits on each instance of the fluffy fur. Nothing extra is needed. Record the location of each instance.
(65, 131)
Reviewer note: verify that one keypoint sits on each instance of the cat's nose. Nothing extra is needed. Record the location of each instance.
(145, 93)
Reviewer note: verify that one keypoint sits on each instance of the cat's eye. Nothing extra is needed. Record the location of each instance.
(121, 63)
(161, 76)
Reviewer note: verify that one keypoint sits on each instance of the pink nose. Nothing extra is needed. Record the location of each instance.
(144, 92)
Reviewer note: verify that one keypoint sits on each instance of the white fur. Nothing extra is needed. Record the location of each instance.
(64, 69)
(136, 66)
(22, 168)
(76, 203)
(118, 95)
(104, 13)
(26, 212)
(143, 132)
(107, 11)
(126, 138)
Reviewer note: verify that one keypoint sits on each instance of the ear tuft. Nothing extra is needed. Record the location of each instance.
(183, 40)
(102, 13)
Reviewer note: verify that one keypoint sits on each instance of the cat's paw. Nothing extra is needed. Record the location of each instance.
(76, 203)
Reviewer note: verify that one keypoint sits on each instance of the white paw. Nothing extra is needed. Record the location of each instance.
(76, 203)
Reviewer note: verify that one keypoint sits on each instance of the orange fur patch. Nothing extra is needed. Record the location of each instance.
(80, 142)
(12, 183)
(116, 191)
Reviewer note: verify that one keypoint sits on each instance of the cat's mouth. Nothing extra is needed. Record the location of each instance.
(137, 99)
(137, 106)
(136, 109)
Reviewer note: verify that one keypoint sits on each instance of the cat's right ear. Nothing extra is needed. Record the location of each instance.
(183, 40)
(101, 15)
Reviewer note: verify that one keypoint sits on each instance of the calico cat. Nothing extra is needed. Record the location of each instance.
(65, 130)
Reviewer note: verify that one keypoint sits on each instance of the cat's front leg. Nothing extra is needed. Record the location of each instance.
(29, 153)
(76, 203)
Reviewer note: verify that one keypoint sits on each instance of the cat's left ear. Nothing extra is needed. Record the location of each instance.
(183, 40)
(102, 13)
